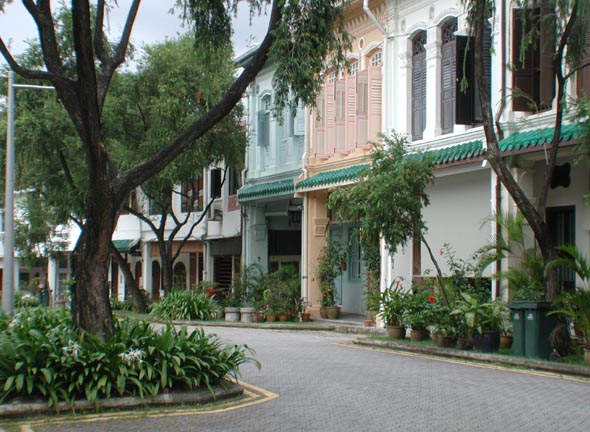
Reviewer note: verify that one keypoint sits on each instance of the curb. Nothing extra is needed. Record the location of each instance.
(529, 363)
(200, 396)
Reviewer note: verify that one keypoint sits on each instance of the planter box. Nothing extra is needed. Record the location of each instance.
(232, 314)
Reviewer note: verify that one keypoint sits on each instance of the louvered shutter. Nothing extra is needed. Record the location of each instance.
(448, 65)
(375, 96)
(583, 84)
(362, 85)
(464, 97)
(524, 76)
(418, 95)
(340, 114)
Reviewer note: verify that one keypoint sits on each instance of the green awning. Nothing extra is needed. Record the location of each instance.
(328, 178)
(125, 246)
(266, 190)
(538, 137)
(456, 153)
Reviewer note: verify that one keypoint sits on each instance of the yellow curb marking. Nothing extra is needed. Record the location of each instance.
(472, 363)
(252, 396)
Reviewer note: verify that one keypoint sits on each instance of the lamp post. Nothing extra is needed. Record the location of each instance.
(8, 263)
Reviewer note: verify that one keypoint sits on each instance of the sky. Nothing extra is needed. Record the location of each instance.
(153, 23)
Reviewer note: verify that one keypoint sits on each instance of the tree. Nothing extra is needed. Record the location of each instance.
(562, 21)
(387, 201)
(298, 34)
(172, 88)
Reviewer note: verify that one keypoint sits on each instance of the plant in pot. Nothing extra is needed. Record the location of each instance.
(484, 321)
(328, 269)
(576, 305)
(418, 315)
(392, 306)
(444, 327)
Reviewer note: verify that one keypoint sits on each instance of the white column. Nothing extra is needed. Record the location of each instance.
(433, 83)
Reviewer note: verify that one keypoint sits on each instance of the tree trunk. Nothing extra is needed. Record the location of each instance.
(167, 271)
(139, 303)
(91, 309)
(533, 216)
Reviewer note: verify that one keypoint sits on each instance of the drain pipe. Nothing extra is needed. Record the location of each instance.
(372, 17)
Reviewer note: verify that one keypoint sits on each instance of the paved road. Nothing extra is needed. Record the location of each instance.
(325, 385)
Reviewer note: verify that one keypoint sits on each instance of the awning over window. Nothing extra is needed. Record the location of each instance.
(538, 137)
(266, 190)
(126, 245)
(330, 178)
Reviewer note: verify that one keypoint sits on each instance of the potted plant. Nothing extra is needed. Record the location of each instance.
(392, 306)
(575, 305)
(327, 271)
(483, 320)
(418, 315)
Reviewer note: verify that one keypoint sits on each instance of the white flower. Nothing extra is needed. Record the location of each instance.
(133, 357)
(72, 350)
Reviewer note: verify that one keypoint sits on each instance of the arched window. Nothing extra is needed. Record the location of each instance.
(264, 121)
(377, 59)
(156, 280)
(418, 85)
(448, 75)
(179, 276)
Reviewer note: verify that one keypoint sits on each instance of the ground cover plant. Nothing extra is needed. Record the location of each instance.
(184, 305)
(42, 355)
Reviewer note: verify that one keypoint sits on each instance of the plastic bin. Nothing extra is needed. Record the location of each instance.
(531, 328)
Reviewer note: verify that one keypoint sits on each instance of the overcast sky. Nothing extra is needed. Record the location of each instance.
(154, 23)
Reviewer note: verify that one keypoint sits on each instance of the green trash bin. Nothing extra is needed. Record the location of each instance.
(531, 328)
(43, 296)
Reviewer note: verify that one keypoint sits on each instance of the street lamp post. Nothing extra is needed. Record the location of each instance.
(8, 263)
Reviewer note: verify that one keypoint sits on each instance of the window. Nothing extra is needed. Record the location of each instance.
(377, 59)
(332, 77)
(533, 78)
(264, 122)
(583, 83)
(355, 261)
(233, 178)
(191, 195)
(354, 67)
(296, 121)
(468, 109)
(448, 75)
(562, 222)
(418, 85)
(215, 183)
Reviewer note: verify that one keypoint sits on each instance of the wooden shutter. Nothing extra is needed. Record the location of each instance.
(215, 183)
(375, 102)
(487, 71)
(340, 114)
(524, 76)
(329, 142)
(362, 106)
(351, 107)
(583, 79)
(546, 51)
(263, 128)
(418, 95)
(448, 78)
(464, 98)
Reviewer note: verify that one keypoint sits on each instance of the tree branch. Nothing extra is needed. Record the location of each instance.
(25, 73)
(99, 37)
(112, 63)
(144, 170)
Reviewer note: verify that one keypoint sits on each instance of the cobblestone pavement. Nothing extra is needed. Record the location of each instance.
(324, 384)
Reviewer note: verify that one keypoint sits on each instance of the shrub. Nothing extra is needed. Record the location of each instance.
(24, 299)
(43, 355)
(184, 305)
(119, 305)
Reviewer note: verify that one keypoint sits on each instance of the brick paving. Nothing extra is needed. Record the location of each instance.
(325, 386)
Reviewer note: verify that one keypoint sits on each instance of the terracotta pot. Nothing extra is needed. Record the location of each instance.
(333, 312)
(446, 341)
(465, 344)
(418, 335)
(396, 332)
(271, 318)
(305, 317)
(506, 341)
(368, 323)
(283, 317)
